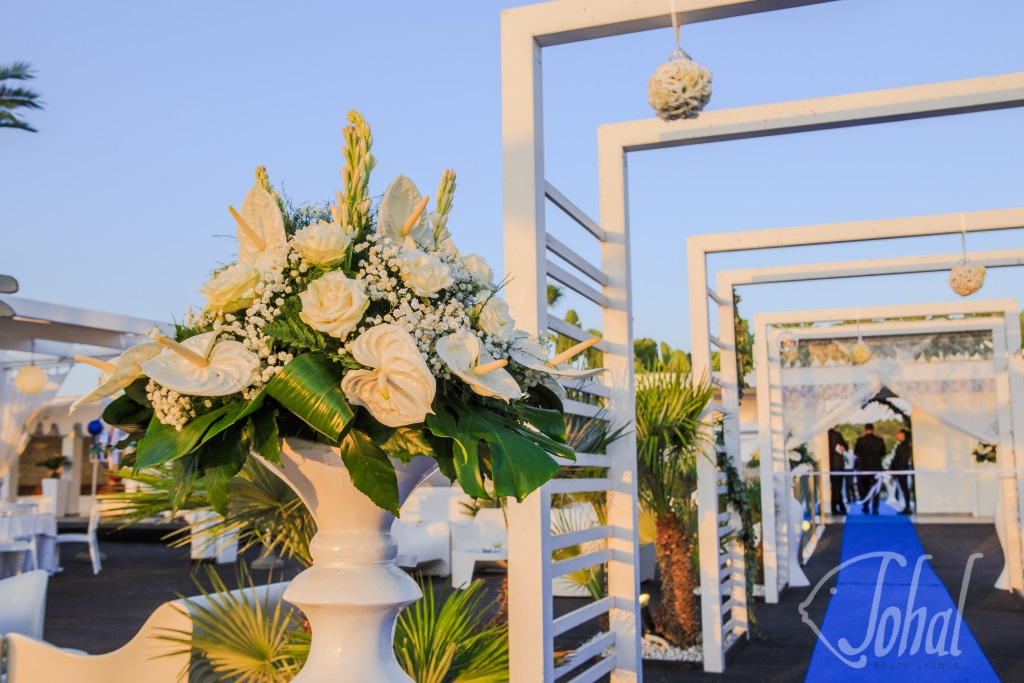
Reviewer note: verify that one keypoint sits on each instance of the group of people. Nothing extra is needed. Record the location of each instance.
(866, 460)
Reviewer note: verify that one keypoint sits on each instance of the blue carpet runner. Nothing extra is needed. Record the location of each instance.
(866, 634)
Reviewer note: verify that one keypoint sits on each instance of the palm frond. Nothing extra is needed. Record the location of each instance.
(17, 71)
(451, 642)
(239, 639)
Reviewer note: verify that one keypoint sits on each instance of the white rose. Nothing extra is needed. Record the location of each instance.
(426, 275)
(323, 243)
(478, 266)
(231, 289)
(334, 304)
(494, 318)
(399, 388)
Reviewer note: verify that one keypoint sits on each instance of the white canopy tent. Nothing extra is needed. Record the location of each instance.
(961, 370)
(50, 335)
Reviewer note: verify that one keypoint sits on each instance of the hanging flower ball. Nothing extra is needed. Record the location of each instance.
(680, 88)
(966, 278)
(31, 379)
(860, 352)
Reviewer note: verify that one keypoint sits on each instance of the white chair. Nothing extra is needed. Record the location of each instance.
(423, 532)
(23, 601)
(484, 539)
(147, 657)
(13, 538)
(89, 538)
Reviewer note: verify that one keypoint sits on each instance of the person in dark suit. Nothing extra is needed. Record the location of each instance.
(836, 463)
(870, 449)
(903, 460)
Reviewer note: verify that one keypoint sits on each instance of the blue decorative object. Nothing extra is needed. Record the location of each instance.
(95, 427)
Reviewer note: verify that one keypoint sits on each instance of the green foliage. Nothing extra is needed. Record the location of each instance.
(289, 330)
(985, 452)
(739, 495)
(310, 388)
(555, 295)
(452, 642)
(650, 356)
(262, 509)
(669, 435)
(54, 464)
(239, 639)
(14, 97)
(744, 345)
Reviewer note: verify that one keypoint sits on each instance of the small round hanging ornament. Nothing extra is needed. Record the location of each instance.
(966, 278)
(860, 352)
(680, 88)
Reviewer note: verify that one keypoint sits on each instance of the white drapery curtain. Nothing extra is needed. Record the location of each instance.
(961, 393)
(813, 404)
(16, 407)
(950, 377)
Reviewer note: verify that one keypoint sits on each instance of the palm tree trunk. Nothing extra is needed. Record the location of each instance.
(676, 615)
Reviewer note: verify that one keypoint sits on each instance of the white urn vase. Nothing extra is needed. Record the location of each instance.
(353, 592)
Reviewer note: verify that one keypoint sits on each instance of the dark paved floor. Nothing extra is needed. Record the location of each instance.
(101, 613)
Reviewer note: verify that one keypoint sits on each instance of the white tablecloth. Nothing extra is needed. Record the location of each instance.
(27, 525)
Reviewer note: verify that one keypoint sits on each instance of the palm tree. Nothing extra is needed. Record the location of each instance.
(14, 97)
(555, 295)
(669, 437)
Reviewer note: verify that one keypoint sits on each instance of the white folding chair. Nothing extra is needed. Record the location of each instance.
(23, 598)
(89, 538)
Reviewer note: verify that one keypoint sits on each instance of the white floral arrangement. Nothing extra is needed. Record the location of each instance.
(679, 89)
(966, 278)
(370, 331)
(860, 352)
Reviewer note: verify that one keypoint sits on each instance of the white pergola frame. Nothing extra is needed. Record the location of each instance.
(525, 31)
(728, 280)
(1000, 319)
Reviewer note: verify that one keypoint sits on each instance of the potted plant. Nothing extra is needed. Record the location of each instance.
(354, 352)
(55, 464)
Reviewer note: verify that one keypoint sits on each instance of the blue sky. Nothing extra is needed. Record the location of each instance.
(157, 114)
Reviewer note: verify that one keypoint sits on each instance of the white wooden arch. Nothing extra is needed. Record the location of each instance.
(999, 317)
(525, 32)
(728, 280)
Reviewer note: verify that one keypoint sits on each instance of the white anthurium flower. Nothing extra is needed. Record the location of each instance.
(202, 366)
(260, 229)
(533, 355)
(402, 214)
(231, 289)
(334, 303)
(399, 387)
(425, 274)
(478, 266)
(494, 319)
(323, 243)
(466, 357)
(120, 372)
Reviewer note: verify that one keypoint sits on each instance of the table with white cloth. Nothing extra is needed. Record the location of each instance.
(27, 524)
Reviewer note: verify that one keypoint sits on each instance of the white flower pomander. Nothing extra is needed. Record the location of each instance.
(399, 389)
(477, 265)
(425, 274)
(323, 243)
(679, 89)
(229, 368)
(533, 355)
(860, 352)
(494, 319)
(464, 354)
(127, 367)
(232, 288)
(334, 303)
(966, 278)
